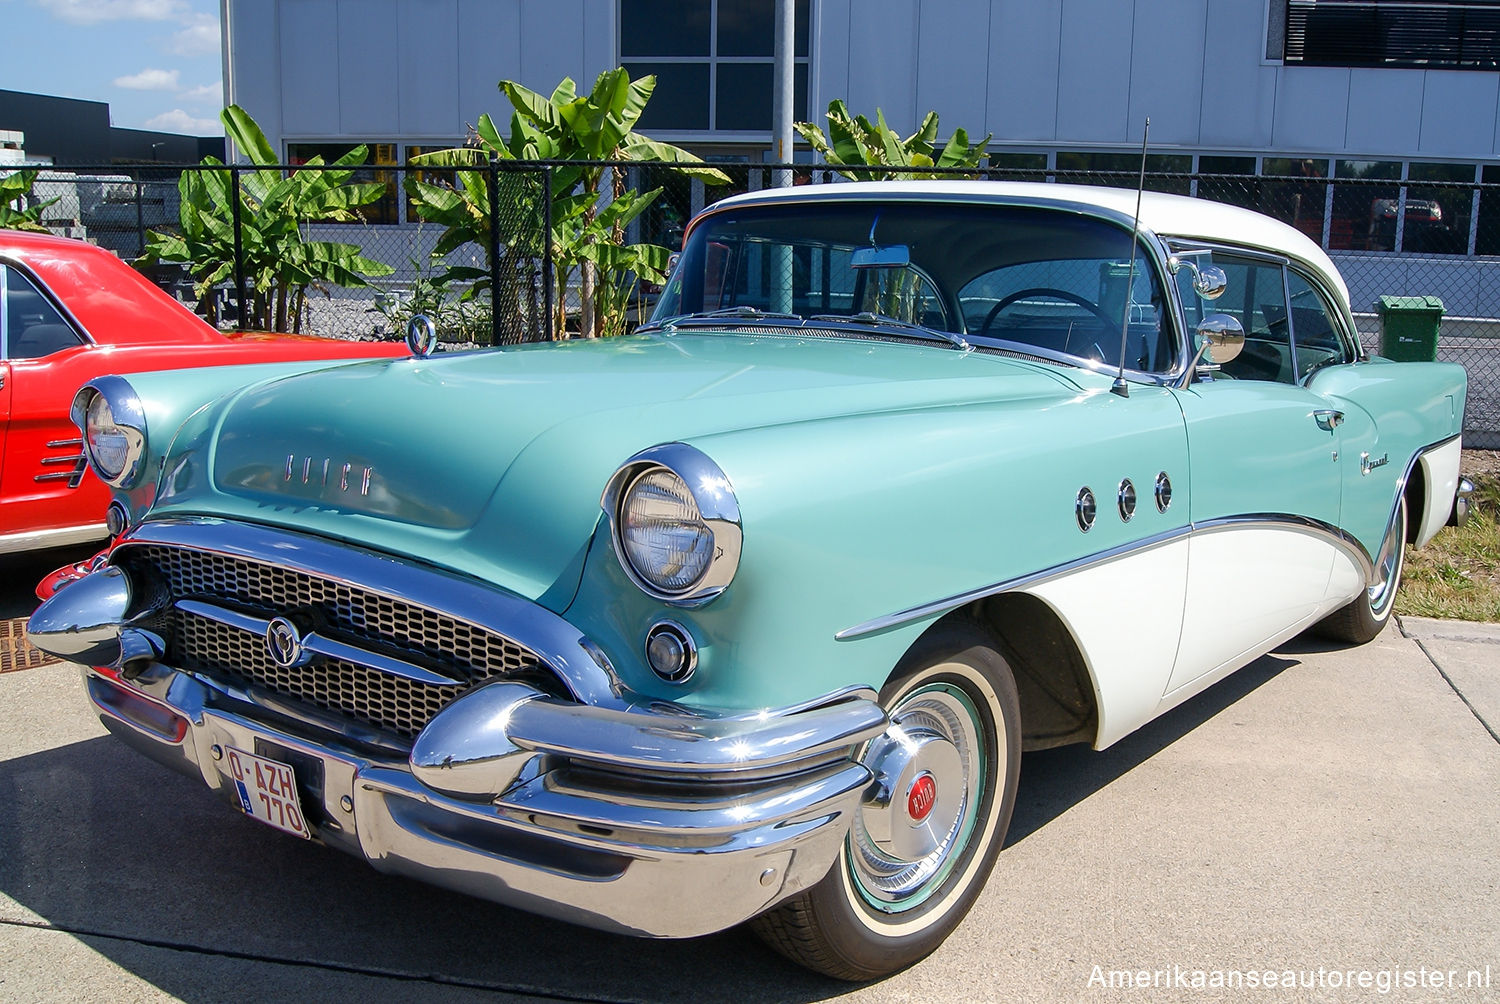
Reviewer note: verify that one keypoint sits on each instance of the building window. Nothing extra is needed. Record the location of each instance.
(1439, 34)
(1293, 194)
(713, 61)
(1437, 216)
(1364, 212)
(381, 155)
(1123, 170)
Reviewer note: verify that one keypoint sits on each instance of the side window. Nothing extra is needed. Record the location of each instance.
(1256, 297)
(1315, 329)
(33, 327)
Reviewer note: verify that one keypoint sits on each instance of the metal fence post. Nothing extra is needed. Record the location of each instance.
(140, 216)
(494, 249)
(239, 248)
(547, 272)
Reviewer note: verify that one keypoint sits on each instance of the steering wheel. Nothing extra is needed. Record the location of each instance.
(1056, 294)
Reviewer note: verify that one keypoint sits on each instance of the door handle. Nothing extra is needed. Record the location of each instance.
(1328, 419)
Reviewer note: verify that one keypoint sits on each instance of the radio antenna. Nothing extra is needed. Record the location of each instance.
(1120, 386)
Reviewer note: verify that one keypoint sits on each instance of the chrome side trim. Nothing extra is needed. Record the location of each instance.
(66, 536)
(318, 644)
(942, 606)
(580, 665)
(1338, 537)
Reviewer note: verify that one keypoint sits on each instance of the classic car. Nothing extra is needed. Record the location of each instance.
(70, 311)
(751, 614)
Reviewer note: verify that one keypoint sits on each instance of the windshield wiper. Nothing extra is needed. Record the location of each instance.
(871, 319)
(741, 312)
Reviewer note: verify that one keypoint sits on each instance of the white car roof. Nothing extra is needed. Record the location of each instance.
(1163, 215)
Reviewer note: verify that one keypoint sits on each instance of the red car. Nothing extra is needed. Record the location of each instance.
(69, 312)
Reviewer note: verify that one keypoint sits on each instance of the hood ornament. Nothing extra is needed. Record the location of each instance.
(421, 336)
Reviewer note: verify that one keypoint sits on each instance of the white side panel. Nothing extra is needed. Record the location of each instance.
(1385, 110)
(551, 46)
(429, 32)
(952, 62)
(254, 77)
(1458, 112)
(1311, 108)
(1125, 616)
(830, 65)
(1025, 36)
(1345, 582)
(1239, 94)
(1169, 35)
(368, 52)
(1245, 586)
(489, 51)
(1093, 93)
(1440, 479)
(309, 92)
(883, 40)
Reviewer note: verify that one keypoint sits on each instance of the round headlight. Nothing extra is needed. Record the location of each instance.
(109, 450)
(109, 414)
(676, 524)
(665, 538)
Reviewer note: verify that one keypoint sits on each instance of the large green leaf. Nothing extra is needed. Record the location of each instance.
(243, 131)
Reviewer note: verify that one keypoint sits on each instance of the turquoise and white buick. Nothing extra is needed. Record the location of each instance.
(751, 614)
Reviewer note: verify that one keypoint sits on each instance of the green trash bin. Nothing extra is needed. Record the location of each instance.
(1409, 327)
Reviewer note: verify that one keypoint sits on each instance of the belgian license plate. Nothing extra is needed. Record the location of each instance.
(267, 790)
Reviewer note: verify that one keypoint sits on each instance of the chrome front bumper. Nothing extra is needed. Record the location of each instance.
(599, 807)
(607, 831)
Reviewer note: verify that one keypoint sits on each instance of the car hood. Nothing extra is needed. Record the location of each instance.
(493, 463)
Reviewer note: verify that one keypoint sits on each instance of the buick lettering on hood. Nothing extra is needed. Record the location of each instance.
(750, 615)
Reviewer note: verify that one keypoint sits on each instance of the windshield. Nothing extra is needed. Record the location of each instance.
(1039, 278)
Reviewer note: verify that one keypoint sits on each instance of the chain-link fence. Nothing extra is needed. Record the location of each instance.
(1437, 237)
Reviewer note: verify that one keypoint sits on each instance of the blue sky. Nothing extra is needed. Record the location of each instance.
(156, 62)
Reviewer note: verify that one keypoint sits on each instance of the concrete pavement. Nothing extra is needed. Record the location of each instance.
(1333, 810)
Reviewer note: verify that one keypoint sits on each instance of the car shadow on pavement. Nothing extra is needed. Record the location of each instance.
(126, 855)
(1055, 780)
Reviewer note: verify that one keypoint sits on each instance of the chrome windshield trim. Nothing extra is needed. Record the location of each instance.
(580, 664)
(315, 643)
(1157, 248)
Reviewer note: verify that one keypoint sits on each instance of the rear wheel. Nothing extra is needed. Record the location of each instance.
(926, 836)
(1367, 614)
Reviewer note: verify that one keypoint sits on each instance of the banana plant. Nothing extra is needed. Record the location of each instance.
(278, 259)
(15, 189)
(593, 131)
(855, 141)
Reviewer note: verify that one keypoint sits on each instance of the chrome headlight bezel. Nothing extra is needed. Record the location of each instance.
(718, 510)
(128, 417)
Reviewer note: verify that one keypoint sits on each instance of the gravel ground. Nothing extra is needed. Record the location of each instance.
(1482, 462)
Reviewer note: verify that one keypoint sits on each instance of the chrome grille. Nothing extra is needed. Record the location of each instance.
(458, 649)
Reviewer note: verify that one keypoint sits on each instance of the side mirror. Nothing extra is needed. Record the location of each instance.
(1209, 281)
(1224, 334)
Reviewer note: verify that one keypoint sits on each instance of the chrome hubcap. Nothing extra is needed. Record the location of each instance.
(1386, 565)
(921, 805)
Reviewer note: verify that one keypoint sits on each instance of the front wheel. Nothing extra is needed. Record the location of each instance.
(926, 835)
(1368, 613)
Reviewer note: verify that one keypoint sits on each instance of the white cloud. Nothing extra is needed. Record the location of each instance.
(149, 80)
(95, 11)
(198, 37)
(178, 120)
(213, 92)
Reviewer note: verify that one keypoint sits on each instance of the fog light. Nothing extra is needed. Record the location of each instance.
(670, 651)
(116, 518)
